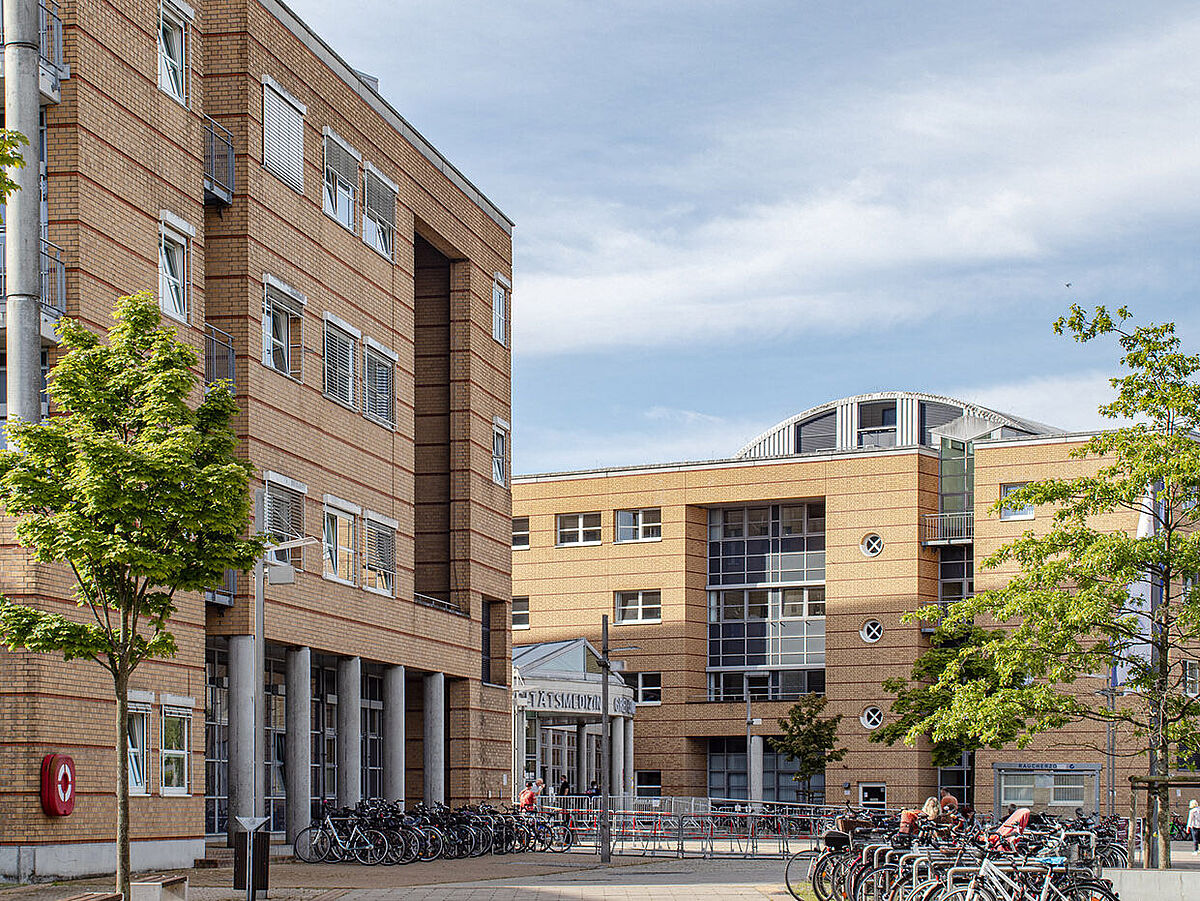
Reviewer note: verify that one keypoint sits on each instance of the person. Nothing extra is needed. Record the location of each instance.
(1193, 824)
(592, 790)
(932, 809)
(949, 803)
(527, 800)
(539, 786)
(564, 788)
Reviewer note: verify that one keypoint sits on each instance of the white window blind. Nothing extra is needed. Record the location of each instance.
(339, 364)
(283, 138)
(285, 520)
(381, 557)
(378, 388)
(379, 217)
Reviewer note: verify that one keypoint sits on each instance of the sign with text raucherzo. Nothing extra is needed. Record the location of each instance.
(553, 701)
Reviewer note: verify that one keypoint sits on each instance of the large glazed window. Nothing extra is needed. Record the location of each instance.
(339, 543)
(175, 752)
(638, 525)
(768, 544)
(639, 606)
(578, 528)
(139, 743)
(284, 508)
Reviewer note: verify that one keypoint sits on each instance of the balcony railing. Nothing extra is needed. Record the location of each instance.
(948, 528)
(50, 42)
(224, 593)
(53, 278)
(218, 356)
(218, 163)
(426, 600)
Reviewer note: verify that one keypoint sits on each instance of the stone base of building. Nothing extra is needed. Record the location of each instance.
(26, 863)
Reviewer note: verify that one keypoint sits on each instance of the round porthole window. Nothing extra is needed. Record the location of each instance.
(872, 545)
(871, 631)
(872, 718)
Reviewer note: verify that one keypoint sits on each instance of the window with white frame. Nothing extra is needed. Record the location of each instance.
(578, 528)
(647, 687)
(1191, 677)
(284, 509)
(173, 24)
(379, 384)
(341, 179)
(339, 541)
(500, 310)
(283, 134)
(1068, 790)
(520, 532)
(648, 783)
(174, 751)
(283, 329)
(1007, 512)
(139, 744)
(380, 554)
(520, 613)
(638, 525)
(172, 274)
(639, 606)
(339, 364)
(1016, 788)
(379, 211)
(500, 454)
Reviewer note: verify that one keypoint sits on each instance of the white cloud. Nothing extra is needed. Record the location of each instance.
(1068, 401)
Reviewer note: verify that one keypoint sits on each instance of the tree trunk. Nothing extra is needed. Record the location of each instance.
(121, 683)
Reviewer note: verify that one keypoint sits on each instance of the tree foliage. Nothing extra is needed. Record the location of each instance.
(809, 739)
(139, 494)
(1095, 595)
(917, 701)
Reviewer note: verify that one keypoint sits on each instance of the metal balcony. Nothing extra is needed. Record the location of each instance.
(50, 49)
(218, 356)
(947, 528)
(54, 279)
(223, 594)
(218, 163)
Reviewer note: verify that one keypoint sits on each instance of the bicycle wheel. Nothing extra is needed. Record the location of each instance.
(561, 838)
(310, 845)
(795, 872)
(820, 876)
(372, 848)
(978, 893)
(433, 843)
(1091, 890)
(873, 884)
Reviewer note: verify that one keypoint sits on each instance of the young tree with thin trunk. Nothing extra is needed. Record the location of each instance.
(138, 494)
(1092, 603)
(809, 739)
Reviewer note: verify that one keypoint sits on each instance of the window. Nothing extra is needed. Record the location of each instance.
(1191, 677)
(871, 718)
(1069, 789)
(578, 528)
(380, 553)
(339, 364)
(500, 310)
(283, 320)
(283, 134)
(871, 631)
(139, 734)
(638, 525)
(174, 751)
(956, 573)
(379, 210)
(872, 545)
(639, 606)
(1007, 513)
(872, 795)
(379, 392)
(774, 685)
(647, 687)
(173, 51)
(520, 532)
(500, 453)
(341, 179)
(284, 509)
(520, 613)
(172, 274)
(339, 541)
(767, 544)
(648, 783)
(1016, 788)
(877, 424)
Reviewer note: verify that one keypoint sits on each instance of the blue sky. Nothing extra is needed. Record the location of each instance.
(728, 212)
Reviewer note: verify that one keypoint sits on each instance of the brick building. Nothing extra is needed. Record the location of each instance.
(354, 286)
(787, 568)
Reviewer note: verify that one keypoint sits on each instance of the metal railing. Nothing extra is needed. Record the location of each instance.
(218, 356)
(948, 527)
(426, 600)
(53, 277)
(50, 39)
(224, 593)
(218, 163)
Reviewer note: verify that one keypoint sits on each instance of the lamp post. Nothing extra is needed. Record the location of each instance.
(605, 745)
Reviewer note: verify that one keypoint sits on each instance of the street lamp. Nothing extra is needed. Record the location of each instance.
(605, 748)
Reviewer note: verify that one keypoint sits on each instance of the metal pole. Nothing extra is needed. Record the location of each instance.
(22, 251)
(260, 663)
(605, 748)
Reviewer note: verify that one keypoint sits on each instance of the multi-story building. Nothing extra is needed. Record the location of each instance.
(353, 286)
(787, 568)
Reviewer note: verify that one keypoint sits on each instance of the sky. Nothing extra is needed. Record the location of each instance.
(729, 212)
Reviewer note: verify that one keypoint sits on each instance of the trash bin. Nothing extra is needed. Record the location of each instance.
(261, 861)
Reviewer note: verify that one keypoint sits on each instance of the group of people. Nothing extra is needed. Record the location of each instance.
(528, 798)
(945, 810)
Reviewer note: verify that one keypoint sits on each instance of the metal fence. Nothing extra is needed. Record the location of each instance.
(218, 162)
(53, 277)
(219, 357)
(948, 527)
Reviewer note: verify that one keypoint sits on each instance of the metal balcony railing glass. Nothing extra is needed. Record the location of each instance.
(53, 278)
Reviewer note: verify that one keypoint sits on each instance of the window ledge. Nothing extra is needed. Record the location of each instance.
(339, 401)
(520, 628)
(382, 423)
(329, 215)
(143, 793)
(521, 547)
(287, 375)
(174, 793)
(638, 540)
(581, 544)
(636, 622)
(649, 703)
(1017, 518)
(379, 591)
(329, 578)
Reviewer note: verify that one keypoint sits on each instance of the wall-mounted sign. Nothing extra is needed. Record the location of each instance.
(572, 702)
(58, 785)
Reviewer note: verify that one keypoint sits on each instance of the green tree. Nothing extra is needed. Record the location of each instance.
(809, 739)
(1093, 597)
(919, 700)
(139, 494)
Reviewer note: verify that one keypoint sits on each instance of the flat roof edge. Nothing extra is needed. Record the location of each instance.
(349, 74)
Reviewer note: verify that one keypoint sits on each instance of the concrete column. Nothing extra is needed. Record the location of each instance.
(616, 746)
(244, 744)
(630, 779)
(22, 251)
(435, 738)
(580, 758)
(349, 734)
(298, 752)
(755, 763)
(393, 733)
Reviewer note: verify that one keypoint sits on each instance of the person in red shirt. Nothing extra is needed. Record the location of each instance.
(527, 800)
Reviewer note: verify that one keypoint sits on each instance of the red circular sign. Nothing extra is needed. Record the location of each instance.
(58, 785)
